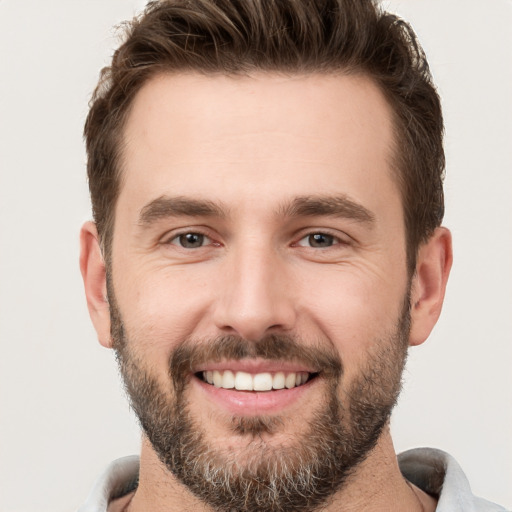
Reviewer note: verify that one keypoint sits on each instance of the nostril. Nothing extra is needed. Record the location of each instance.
(253, 305)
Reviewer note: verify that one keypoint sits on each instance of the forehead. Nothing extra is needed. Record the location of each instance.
(248, 138)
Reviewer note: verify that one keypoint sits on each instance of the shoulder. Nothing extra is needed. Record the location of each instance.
(119, 478)
(438, 474)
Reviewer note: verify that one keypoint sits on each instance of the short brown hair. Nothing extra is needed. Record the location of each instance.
(290, 36)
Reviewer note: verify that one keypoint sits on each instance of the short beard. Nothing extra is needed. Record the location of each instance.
(263, 477)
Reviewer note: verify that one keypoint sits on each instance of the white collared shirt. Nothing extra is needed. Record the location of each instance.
(434, 471)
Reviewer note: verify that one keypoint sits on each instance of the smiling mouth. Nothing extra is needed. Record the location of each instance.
(244, 381)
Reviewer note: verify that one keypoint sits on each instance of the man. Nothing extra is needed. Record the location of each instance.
(266, 181)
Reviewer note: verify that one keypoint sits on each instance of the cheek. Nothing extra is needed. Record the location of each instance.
(160, 308)
(356, 310)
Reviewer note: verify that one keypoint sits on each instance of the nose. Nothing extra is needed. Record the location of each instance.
(255, 296)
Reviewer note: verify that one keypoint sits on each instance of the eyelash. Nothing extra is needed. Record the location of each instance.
(335, 240)
(198, 233)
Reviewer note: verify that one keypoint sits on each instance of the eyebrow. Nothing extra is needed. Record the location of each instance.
(334, 206)
(303, 206)
(165, 206)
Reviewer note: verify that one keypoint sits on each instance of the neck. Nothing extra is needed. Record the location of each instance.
(376, 485)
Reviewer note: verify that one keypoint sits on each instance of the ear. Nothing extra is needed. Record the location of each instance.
(93, 271)
(433, 265)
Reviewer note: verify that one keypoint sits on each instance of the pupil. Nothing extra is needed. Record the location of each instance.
(320, 240)
(191, 240)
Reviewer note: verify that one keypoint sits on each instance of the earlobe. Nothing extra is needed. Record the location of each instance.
(433, 264)
(92, 267)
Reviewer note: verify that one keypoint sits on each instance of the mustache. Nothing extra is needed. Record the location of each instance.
(192, 354)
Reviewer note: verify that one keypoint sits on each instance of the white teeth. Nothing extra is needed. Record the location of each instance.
(289, 382)
(228, 380)
(217, 379)
(262, 382)
(278, 381)
(243, 381)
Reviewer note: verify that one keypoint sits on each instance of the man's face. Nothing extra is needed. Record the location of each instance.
(259, 242)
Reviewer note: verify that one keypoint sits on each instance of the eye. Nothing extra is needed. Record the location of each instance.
(190, 240)
(318, 240)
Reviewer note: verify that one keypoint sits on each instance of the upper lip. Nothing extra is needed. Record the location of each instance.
(255, 366)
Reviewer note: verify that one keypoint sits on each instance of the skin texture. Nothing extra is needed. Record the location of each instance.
(253, 148)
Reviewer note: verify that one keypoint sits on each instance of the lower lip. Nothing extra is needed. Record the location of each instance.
(253, 403)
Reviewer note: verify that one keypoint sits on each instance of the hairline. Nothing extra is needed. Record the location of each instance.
(394, 159)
